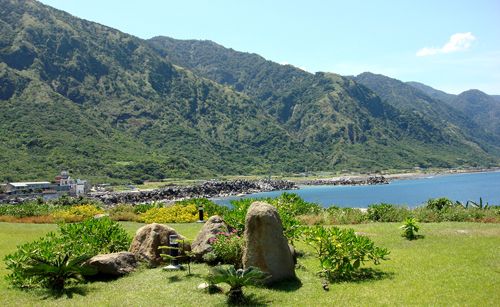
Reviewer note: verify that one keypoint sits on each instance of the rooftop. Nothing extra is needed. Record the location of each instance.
(25, 184)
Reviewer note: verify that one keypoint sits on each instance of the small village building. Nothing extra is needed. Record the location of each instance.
(27, 188)
(63, 184)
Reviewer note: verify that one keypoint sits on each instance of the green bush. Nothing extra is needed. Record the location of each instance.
(96, 236)
(341, 252)
(236, 215)
(387, 213)
(439, 204)
(338, 216)
(294, 205)
(58, 255)
(410, 229)
(227, 247)
(30, 208)
(141, 208)
(123, 212)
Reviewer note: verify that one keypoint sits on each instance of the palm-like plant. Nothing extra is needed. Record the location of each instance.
(56, 271)
(236, 279)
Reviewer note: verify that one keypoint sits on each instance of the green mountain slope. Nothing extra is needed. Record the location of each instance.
(455, 124)
(432, 92)
(155, 119)
(322, 109)
(482, 109)
(109, 106)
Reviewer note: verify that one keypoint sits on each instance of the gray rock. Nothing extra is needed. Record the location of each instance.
(147, 240)
(265, 245)
(113, 265)
(214, 225)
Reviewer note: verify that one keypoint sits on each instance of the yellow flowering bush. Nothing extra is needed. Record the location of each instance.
(171, 214)
(76, 213)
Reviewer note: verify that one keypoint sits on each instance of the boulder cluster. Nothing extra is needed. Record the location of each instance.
(207, 190)
(265, 245)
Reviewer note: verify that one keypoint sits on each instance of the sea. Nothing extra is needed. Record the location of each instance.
(405, 192)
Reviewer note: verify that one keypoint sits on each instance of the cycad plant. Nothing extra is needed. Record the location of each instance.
(410, 229)
(55, 272)
(236, 279)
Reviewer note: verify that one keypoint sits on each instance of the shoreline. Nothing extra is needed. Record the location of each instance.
(394, 176)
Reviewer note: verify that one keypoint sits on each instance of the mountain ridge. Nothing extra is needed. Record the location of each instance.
(113, 107)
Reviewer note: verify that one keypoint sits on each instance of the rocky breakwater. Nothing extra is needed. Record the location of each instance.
(207, 190)
(348, 181)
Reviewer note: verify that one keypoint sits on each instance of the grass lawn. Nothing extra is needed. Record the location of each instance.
(455, 264)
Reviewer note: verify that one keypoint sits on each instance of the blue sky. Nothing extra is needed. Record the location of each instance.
(449, 45)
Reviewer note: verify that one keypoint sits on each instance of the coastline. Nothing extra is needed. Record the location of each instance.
(393, 176)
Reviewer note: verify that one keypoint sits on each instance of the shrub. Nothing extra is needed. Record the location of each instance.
(387, 213)
(171, 214)
(96, 236)
(236, 215)
(341, 252)
(312, 219)
(76, 213)
(27, 209)
(338, 216)
(44, 262)
(141, 208)
(123, 212)
(294, 205)
(227, 248)
(439, 204)
(410, 229)
(209, 207)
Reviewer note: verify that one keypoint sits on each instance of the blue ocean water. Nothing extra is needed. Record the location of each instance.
(411, 192)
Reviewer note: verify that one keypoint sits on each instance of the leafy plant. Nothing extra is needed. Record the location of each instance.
(439, 204)
(236, 215)
(42, 263)
(236, 279)
(54, 272)
(341, 252)
(338, 215)
(94, 236)
(228, 248)
(410, 229)
(387, 213)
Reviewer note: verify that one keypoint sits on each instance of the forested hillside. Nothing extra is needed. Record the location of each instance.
(111, 107)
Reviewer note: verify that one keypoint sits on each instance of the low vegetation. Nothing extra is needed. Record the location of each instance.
(464, 253)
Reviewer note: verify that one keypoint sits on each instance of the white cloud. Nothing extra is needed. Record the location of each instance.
(457, 42)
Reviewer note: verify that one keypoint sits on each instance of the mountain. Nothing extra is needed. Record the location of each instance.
(86, 97)
(480, 107)
(457, 124)
(432, 92)
(109, 106)
(285, 91)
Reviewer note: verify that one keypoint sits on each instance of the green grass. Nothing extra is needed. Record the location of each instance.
(455, 264)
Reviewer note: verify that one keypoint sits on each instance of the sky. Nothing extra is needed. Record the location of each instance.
(451, 45)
